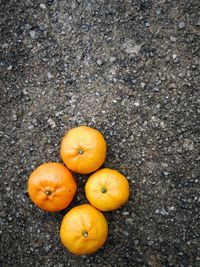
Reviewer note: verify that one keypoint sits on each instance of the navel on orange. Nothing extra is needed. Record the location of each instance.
(83, 149)
(107, 189)
(83, 230)
(51, 186)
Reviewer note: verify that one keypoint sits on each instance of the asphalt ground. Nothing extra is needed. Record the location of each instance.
(129, 69)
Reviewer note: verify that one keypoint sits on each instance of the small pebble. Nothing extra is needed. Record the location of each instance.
(156, 89)
(86, 27)
(136, 103)
(112, 59)
(99, 62)
(125, 213)
(172, 86)
(181, 25)
(47, 248)
(14, 117)
(126, 233)
(31, 127)
(42, 6)
(158, 11)
(161, 211)
(143, 85)
(51, 122)
(32, 34)
(173, 39)
(166, 173)
(35, 122)
(49, 75)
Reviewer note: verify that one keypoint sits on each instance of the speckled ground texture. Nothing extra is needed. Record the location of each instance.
(129, 69)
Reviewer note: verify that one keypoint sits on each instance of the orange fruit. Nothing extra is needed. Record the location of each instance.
(51, 186)
(83, 230)
(83, 149)
(107, 189)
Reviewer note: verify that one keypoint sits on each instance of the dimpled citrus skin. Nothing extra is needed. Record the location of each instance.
(51, 186)
(107, 189)
(83, 149)
(83, 230)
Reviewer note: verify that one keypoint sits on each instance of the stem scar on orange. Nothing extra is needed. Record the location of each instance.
(107, 189)
(83, 230)
(51, 186)
(83, 149)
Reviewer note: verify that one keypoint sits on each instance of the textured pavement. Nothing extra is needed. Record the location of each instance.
(129, 69)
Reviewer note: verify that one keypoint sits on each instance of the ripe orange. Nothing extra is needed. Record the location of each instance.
(51, 187)
(83, 149)
(107, 189)
(84, 230)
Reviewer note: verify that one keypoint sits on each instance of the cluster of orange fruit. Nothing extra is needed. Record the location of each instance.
(52, 187)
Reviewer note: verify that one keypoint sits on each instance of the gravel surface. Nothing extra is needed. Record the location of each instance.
(129, 69)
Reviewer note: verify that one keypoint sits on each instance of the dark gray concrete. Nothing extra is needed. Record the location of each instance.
(129, 69)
